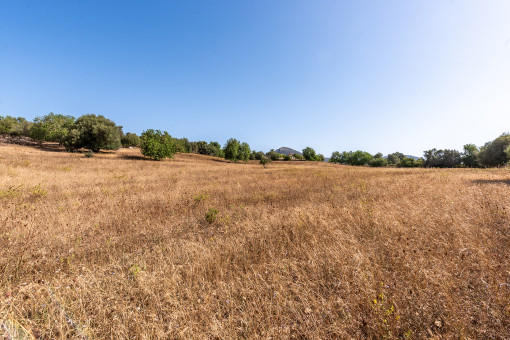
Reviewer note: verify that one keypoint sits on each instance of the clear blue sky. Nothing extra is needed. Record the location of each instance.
(377, 75)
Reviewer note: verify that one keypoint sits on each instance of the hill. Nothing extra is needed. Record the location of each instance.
(287, 151)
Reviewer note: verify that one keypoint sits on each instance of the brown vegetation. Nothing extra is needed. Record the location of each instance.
(117, 247)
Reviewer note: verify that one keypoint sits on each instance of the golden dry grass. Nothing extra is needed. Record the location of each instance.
(118, 247)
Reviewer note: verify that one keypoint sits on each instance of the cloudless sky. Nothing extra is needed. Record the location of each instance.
(380, 75)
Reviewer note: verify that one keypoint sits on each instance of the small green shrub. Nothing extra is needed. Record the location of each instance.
(201, 197)
(89, 154)
(157, 145)
(38, 191)
(210, 215)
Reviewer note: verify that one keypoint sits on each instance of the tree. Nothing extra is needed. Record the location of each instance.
(273, 155)
(14, 126)
(320, 158)
(336, 157)
(264, 160)
(52, 128)
(407, 162)
(244, 152)
(231, 150)
(94, 133)
(359, 158)
(395, 158)
(298, 157)
(493, 153)
(309, 154)
(130, 139)
(378, 160)
(258, 155)
(287, 158)
(157, 145)
(470, 155)
(442, 158)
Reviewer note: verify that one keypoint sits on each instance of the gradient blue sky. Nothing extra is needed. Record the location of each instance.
(335, 75)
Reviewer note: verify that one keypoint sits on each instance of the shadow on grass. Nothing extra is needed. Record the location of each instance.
(137, 158)
(492, 181)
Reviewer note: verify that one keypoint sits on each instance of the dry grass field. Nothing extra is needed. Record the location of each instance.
(118, 247)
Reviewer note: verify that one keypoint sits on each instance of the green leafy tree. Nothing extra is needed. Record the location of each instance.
(493, 153)
(94, 133)
(231, 150)
(336, 157)
(442, 158)
(244, 152)
(52, 128)
(407, 162)
(264, 161)
(157, 145)
(14, 126)
(298, 157)
(309, 154)
(287, 158)
(470, 155)
(320, 158)
(273, 155)
(378, 160)
(395, 158)
(258, 155)
(130, 139)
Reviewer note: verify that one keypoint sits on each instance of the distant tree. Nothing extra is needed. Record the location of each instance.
(378, 160)
(309, 154)
(298, 157)
(244, 152)
(52, 128)
(442, 158)
(273, 155)
(320, 158)
(493, 153)
(130, 139)
(359, 158)
(258, 155)
(157, 145)
(394, 158)
(231, 150)
(182, 145)
(336, 157)
(14, 126)
(94, 133)
(264, 160)
(470, 155)
(407, 162)
(287, 158)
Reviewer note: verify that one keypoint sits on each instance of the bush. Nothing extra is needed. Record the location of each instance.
(287, 158)
(298, 157)
(157, 145)
(210, 215)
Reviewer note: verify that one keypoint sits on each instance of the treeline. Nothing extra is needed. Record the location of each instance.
(493, 153)
(95, 132)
